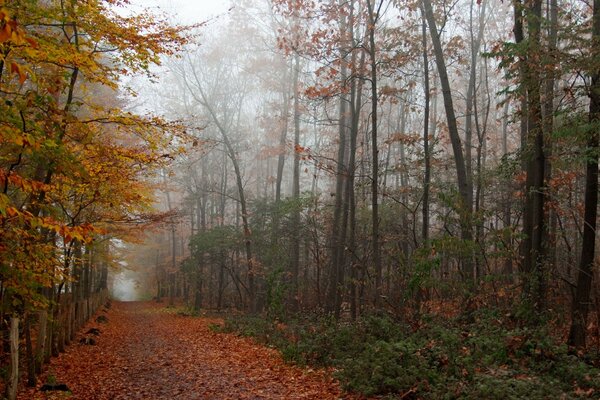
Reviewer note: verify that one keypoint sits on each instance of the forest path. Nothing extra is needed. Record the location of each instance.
(147, 351)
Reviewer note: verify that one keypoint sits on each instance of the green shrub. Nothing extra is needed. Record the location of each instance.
(487, 358)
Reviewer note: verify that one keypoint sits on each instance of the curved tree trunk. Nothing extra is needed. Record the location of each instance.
(464, 187)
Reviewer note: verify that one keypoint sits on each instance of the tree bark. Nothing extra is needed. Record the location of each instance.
(349, 199)
(173, 269)
(373, 17)
(13, 380)
(282, 138)
(581, 301)
(426, 156)
(338, 233)
(548, 124)
(295, 257)
(464, 188)
(40, 346)
(532, 247)
(31, 375)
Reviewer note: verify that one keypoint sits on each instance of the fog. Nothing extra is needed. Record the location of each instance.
(185, 11)
(278, 125)
(125, 287)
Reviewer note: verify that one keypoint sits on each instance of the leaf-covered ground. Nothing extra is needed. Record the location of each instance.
(147, 352)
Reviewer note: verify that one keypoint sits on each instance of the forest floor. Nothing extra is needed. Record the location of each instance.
(147, 351)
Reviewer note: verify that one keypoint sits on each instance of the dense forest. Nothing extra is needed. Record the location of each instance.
(407, 188)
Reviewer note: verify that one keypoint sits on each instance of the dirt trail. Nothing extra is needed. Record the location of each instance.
(146, 352)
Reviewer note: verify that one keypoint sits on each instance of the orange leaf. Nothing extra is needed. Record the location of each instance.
(32, 42)
(4, 34)
(15, 69)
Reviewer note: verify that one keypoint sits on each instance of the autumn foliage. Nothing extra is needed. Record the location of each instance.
(76, 169)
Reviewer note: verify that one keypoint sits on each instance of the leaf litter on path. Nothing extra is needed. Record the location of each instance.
(143, 353)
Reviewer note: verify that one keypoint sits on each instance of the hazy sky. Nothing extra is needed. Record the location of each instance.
(187, 11)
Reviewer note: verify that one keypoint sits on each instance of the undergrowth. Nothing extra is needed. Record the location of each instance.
(487, 358)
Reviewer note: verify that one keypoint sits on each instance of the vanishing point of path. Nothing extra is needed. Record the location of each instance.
(147, 352)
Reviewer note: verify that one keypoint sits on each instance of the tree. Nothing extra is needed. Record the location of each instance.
(295, 257)
(374, 14)
(59, 142)
(465, 189)
(226, 119)
(532, 246)
(585, 274)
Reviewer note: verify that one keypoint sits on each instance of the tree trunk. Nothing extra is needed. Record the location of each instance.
(40, 346)
(103, 279)
(198, 289)
(464, 188)
(548, 126)
(532, 248)
(244, 207)
(373, 17)
(426, 156)
(338, 234)
(283, 135)
(13, 380)
(507, 271)
(31, 375)
(295, 256)
(471, 88)
(581, 301)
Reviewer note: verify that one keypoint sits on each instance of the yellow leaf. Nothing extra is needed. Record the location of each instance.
(4, 202)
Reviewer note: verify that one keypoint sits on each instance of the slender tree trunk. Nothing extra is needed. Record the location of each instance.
(283, 136)
(40, 347)
(159, 277)
(85, 284)
(31, 375)
(13, 380)
(518, 31)
(338, 234)
(252, 305)
(426, 156)
(464, 188)
(548, 124)
(221, 278)
(282, 152)
(198, 289)
(350, 209)
(201, 223)
(295, 258)
(471, 95)
(103, 278)
(50, 329)
(507, 209)
(373, 17)
(479, 188)
(173, 269)
(581, 301)
(77, 289)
